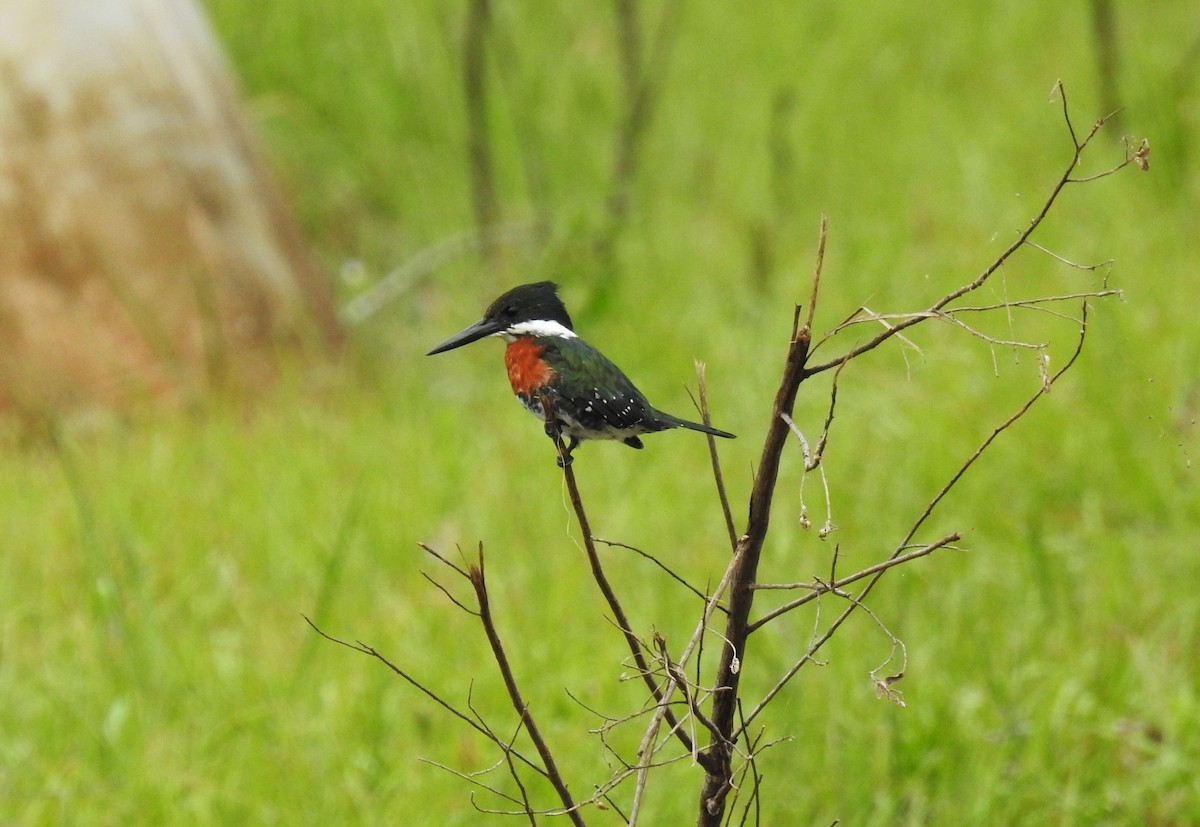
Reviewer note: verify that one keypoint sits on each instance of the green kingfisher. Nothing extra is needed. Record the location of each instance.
(590, 396)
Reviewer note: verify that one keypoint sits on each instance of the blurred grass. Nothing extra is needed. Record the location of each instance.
(154, 665)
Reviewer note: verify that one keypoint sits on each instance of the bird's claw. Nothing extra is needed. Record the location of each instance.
(564, 450)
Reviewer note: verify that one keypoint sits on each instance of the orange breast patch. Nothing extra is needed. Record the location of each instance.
(526, 369)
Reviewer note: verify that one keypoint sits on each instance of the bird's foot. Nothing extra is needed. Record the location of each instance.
(565, 455)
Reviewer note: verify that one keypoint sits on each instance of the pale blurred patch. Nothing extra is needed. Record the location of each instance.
(145, 251)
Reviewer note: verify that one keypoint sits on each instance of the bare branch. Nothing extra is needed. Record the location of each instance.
(516, 777)
(751, 768)
(685, 688)
(479, 582)
(645, 747)
(463, 573)
(1086, 267)
(472, 778)
(1036, 302)
(991, 340)
(816, 459)
(715, 758)
(865, 315)
(1004, 426)
(1062, 97)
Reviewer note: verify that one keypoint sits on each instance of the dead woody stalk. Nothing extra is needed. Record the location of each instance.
(695, 710)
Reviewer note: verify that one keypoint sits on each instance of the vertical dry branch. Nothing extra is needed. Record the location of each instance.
(483, 187)
(506, 52)
(718, 777)
(629, 40)
(479, 584)
(640, 76)
(1104, 26)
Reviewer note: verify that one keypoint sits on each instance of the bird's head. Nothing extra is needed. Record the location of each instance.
(528, 310)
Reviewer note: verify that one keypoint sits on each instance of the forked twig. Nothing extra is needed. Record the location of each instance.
(817, 588)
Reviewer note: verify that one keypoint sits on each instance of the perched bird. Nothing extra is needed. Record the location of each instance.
(590, 396)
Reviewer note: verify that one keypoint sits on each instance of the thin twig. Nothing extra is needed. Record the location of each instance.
(371, 651)
(818, 586)
(1004, 426)
(818, 266)
(463, 573)
(1000, 260)
(516, 776)
(670, 572)
(681, 681)
(449, 596)
(472, 778)
(702, 406)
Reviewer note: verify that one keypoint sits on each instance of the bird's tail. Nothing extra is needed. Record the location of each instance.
(669, 421)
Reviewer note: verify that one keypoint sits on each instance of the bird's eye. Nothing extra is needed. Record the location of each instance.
(510, 310)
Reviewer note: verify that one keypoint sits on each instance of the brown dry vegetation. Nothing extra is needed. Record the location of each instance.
(147, 254)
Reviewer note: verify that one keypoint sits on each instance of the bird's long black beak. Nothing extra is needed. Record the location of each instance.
(481, 328)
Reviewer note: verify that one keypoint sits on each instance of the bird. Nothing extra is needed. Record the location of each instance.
(591, 397)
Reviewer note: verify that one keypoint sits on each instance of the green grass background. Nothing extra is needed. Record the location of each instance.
(154, 665)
